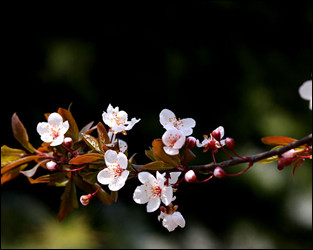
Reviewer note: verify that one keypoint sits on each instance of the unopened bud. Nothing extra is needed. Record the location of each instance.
(217, 134)
(289, 154)
(51, 165)
(190, 176)
(283, 162)
(85, 199)
(191, 142)
(68, 141)
(219, 172)
(230, 143)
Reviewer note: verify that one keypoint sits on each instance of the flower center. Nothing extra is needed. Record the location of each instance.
(156, 191)
(175, 121)
(172, 139)
(119, 120)
(54, 131)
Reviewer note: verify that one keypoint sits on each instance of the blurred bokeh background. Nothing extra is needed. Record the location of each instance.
(235, 64)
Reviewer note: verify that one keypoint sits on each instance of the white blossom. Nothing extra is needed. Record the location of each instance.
(169, 120)
(152, 191)
(115, 174)
(118, 120)
(171, 221)
(53, 131)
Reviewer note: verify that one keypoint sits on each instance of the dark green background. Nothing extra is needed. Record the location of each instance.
(235, 64)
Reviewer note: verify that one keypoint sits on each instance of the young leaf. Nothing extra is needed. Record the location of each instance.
(20, 133)
(277, 140)
(91, 142)
(157, 165)
(69, 200)
(87, 158)
(9, 155)
(73, 131)
(158, 145)
(103, 135)
(19, 162)
(12, 173)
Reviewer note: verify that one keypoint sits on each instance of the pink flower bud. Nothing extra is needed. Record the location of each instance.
(219, 172)
(190, 176)
(230, 143)
(191, 142)
(85, 199)
(51, 165)
(68, 141)
(289, 154)
(217, 134)
(283, 162)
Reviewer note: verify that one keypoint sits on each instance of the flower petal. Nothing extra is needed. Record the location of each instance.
(145, 177)
(171, 151)
(122, 160)
(42, 128)
(55, 118)
(305, 90)
(57, 141)
(140, 195)
(110, 156)
(167, 117)
(167, 195)
(105, 176)
(153, 204)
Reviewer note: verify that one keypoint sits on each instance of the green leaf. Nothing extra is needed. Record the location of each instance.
(158, 145)
(9, 155)
(20, 133)
(92, 142)
(73, 131)
(69, 200)
(87, 158)
(157, 166)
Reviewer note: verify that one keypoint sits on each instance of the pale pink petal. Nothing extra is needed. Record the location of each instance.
(110, 156)
(305, 90)
(170, 150)
(140, 195)
(145, 177)
(55, 118)
(122, 160)
(167, 195)
(57, 141)
(42, 128)
(167, 117)
(104, 176)
(153, 204)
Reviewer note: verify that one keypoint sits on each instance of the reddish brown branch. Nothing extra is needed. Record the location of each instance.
(253, 158)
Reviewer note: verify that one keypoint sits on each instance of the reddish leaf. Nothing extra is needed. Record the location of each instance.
(20, 133)
(158, 145)
(49, 178)
(19, 162)
(87, 158)
(277, 140)
(73, 131)
(103, 136)
(157, 165)
(12, 173)
(91, 142)
(69, 200)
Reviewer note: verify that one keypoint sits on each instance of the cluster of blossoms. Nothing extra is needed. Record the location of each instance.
(105, 160)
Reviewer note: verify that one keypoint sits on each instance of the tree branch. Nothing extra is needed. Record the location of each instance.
(254, 158)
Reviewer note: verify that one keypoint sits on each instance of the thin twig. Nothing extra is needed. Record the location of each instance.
(253, 158)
